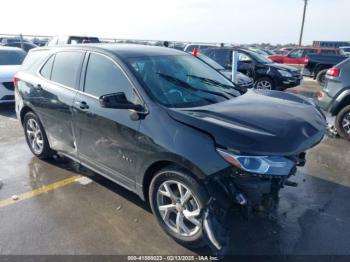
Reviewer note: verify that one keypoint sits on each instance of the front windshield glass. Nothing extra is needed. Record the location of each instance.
(260, 58)
(210, 62)
(180, 81)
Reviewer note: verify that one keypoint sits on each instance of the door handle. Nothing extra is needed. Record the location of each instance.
(82, 104)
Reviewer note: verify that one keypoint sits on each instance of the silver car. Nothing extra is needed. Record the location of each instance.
(11, 59)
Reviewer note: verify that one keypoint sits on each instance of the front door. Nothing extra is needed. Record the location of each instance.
(106, 138)
(245, 65)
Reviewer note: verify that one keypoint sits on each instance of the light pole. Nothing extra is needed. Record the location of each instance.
(302, 23)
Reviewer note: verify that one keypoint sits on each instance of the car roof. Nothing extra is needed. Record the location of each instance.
(120, 50)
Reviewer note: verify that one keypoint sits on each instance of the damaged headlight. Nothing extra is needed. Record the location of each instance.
(269, 165)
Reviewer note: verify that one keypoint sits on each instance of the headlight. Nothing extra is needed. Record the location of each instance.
(269, 165)
(284, 73)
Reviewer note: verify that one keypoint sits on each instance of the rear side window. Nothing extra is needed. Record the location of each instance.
(328, 52)
(33, 60)
(47, 68)
(8, 57)
(310, 51)
(66, 68)
(104, 77)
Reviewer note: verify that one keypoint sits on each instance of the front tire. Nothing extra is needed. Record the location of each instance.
(264, 83)
(177, 201)
(342, 123)
(36, 137)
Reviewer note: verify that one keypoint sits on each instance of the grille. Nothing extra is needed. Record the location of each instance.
(9, 85)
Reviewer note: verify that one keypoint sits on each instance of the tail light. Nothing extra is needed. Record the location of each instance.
(334, 71)
(306, 60)
(15, 81)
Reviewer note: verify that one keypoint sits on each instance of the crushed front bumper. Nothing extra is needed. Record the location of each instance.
(232, 186)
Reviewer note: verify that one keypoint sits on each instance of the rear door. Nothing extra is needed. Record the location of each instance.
(107, 139)
(60, 75)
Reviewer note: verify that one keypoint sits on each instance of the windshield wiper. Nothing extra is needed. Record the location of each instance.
(216, 83)
(184, 84)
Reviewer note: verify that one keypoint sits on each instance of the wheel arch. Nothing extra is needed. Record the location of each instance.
(156, 166)
(320, 67)
(24, 111)
(343, 103)
(269, 77)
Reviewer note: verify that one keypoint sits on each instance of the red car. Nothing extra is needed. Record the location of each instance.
(298, 56)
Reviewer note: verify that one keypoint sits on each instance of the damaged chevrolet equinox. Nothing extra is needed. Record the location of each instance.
(166, 126)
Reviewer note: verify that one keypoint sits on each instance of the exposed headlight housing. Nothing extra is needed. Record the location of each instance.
(266, 165)
(285, 73)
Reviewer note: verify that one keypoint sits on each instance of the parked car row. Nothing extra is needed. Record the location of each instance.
(265, 73)
(298, 56)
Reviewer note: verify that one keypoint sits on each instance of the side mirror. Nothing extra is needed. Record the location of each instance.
(118, 101)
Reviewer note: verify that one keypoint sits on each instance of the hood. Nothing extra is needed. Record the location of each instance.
(259, 123)
(284, 67)
(7, 72)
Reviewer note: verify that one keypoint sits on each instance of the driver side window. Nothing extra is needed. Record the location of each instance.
(104, 77)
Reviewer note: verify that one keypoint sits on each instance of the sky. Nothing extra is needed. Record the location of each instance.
(228, 21)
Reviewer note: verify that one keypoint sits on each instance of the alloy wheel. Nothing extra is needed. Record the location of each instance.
(346, 123)
(179, 208)
(264, 84)
(34, 136)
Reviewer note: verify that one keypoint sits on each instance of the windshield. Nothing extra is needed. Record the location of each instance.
(11, 57)
(180, 81)
(260, 58)
(210, 62)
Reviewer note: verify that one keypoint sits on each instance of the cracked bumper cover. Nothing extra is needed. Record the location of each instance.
(231, 186)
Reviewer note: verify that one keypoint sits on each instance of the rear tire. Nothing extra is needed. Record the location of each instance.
(342, 123)
(36, 137)
(321, 77)
(190, 230)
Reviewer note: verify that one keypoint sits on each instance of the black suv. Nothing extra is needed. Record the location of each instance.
(166, 126)
(266, 74)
